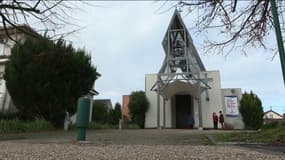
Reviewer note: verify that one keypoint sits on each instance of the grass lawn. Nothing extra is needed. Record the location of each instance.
(271, 135)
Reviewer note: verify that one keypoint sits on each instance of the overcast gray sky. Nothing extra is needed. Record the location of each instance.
(124, 39)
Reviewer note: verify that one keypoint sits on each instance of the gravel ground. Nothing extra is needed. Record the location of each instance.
(28, 151)
(126, 145)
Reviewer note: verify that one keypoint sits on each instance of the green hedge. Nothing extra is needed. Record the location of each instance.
(94, 125)
(9, 115)
(271, 125)
(17, 126)
(130, 126)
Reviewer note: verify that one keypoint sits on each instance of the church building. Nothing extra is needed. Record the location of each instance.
(184, 87)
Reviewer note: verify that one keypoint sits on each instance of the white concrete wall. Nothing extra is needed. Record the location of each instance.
(150, 117)
(151, 114)
(208, 107)
(214, 103)
(235, 122)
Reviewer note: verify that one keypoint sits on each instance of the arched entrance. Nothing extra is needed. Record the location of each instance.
(182, 106)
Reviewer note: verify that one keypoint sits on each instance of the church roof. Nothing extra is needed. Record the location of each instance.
(177, 23)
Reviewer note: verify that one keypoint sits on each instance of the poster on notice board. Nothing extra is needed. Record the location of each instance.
(231, 103)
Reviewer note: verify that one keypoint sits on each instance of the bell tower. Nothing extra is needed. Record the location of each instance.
(180, 53)
(182, 66)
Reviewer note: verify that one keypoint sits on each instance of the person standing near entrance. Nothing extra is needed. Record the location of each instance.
(221, 119)
(215, 120)
(191, 121)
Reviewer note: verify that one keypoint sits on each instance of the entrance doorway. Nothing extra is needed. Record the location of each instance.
(183, 107)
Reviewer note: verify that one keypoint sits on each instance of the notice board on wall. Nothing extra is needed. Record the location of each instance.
(231, 103)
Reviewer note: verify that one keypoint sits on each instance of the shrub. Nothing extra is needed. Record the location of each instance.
(9, 115)
(45, 78)
(100, 112)
(130, 126)
(138, 105)
(16, 126)
(270, 125)
(251, 111)
(115, 114)
(94, 125)
(282, 123)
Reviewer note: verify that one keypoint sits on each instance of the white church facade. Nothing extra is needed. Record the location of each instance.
(183, 86)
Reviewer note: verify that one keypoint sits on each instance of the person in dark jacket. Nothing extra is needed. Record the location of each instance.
(215, 120)
(222, 120)
(191, 121)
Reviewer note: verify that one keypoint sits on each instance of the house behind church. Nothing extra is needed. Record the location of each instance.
(6, 43)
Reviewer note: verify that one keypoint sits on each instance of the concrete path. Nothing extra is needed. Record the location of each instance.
(125, 137)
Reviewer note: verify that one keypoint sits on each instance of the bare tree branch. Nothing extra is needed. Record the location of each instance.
(49, 15)
(242, 23)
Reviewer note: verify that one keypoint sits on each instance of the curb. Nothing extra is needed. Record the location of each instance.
(213, 141)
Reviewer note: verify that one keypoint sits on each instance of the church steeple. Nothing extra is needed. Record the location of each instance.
(180, 52)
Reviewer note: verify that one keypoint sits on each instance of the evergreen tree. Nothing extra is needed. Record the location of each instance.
(116, 114)
(100, 113)
(138, 106)
(251, 111)
(45, 78)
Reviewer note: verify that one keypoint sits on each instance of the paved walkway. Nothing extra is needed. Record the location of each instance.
(125, 144)
(126, 137)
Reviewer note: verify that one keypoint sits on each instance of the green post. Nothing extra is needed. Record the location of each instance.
(82, 117)
(278, 36)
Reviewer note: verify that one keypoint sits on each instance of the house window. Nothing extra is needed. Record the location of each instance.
(270, 116)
